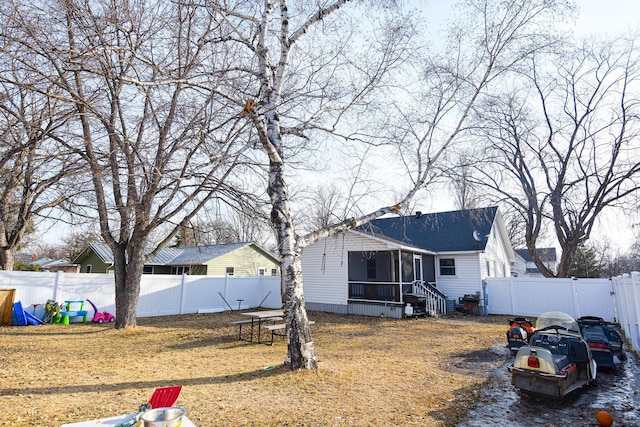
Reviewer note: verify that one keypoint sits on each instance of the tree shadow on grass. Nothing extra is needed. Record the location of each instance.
(63, 332)
(270, 371)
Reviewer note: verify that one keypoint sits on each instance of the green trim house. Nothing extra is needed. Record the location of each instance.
(233, 259)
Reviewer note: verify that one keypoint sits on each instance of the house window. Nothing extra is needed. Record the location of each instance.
(88, 268)
(274, 271)
(147, 269)
(261, 271)
(230, 271)
(447, 267)
(180, 270)
(371, 268)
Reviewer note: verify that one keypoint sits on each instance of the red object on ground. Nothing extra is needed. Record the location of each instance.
(604, 418)
(165, 397)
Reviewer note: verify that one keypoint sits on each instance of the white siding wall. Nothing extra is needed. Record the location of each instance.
(467, 279)
(496, 255)
(325, 266)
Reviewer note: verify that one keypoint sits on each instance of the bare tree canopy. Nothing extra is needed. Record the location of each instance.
(35, 164)
(158, 140)
(563, 145)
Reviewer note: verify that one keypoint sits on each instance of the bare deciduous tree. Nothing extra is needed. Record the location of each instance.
(461, 182)
(157, 139)
(35, 166)
(565, 148)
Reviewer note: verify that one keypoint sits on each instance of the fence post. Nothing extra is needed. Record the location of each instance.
(183, 291)
(484, 307)
(511, 295)
(614, 300)
(226, 282)
(55, 285)
(635, 283)
(623, 298)
(574, 288)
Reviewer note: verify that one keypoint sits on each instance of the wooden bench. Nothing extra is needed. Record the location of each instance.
(279, 329)
(239, 323)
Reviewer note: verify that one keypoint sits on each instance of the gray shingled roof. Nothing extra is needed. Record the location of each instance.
(193, 255)
(438, 232)
(202, 254)
(545, 254)
(103, 252)
(164, 257)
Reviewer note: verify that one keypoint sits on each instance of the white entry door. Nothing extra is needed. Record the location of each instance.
(417, 267)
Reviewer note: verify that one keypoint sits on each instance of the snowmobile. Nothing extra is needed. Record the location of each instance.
(557, 360)
(604, 341)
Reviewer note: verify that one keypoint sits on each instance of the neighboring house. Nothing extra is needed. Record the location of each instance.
(46, 264)
(524, 265)
(371, 269)
(233, 259)
(53, 265)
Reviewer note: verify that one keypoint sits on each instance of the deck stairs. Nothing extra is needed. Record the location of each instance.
(436, 301)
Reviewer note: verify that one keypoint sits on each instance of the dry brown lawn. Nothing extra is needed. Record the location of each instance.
(372, 371)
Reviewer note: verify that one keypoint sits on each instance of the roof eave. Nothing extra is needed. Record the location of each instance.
(462, 252)
(394, 244)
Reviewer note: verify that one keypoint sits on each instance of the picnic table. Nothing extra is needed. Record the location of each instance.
(256, 319)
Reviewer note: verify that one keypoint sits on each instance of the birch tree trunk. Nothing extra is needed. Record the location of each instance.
(300, 351)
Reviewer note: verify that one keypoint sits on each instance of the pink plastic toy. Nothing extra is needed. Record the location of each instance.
(101, 317)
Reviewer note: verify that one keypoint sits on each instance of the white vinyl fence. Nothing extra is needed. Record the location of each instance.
(160, 295)
(532, 296)
(627, 292)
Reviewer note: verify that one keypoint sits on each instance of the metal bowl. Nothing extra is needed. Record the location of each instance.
(163, 417)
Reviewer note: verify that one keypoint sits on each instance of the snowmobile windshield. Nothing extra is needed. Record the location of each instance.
(557, 318)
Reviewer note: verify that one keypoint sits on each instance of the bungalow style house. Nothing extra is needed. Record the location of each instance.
(525, 267)
(233, 259)
(377, 268)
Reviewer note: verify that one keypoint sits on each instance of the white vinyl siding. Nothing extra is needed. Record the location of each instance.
(467, 279)
(494, 260)
(246, 261)
(325, 266)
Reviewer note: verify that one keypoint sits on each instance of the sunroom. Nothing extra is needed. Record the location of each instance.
(383, 282)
